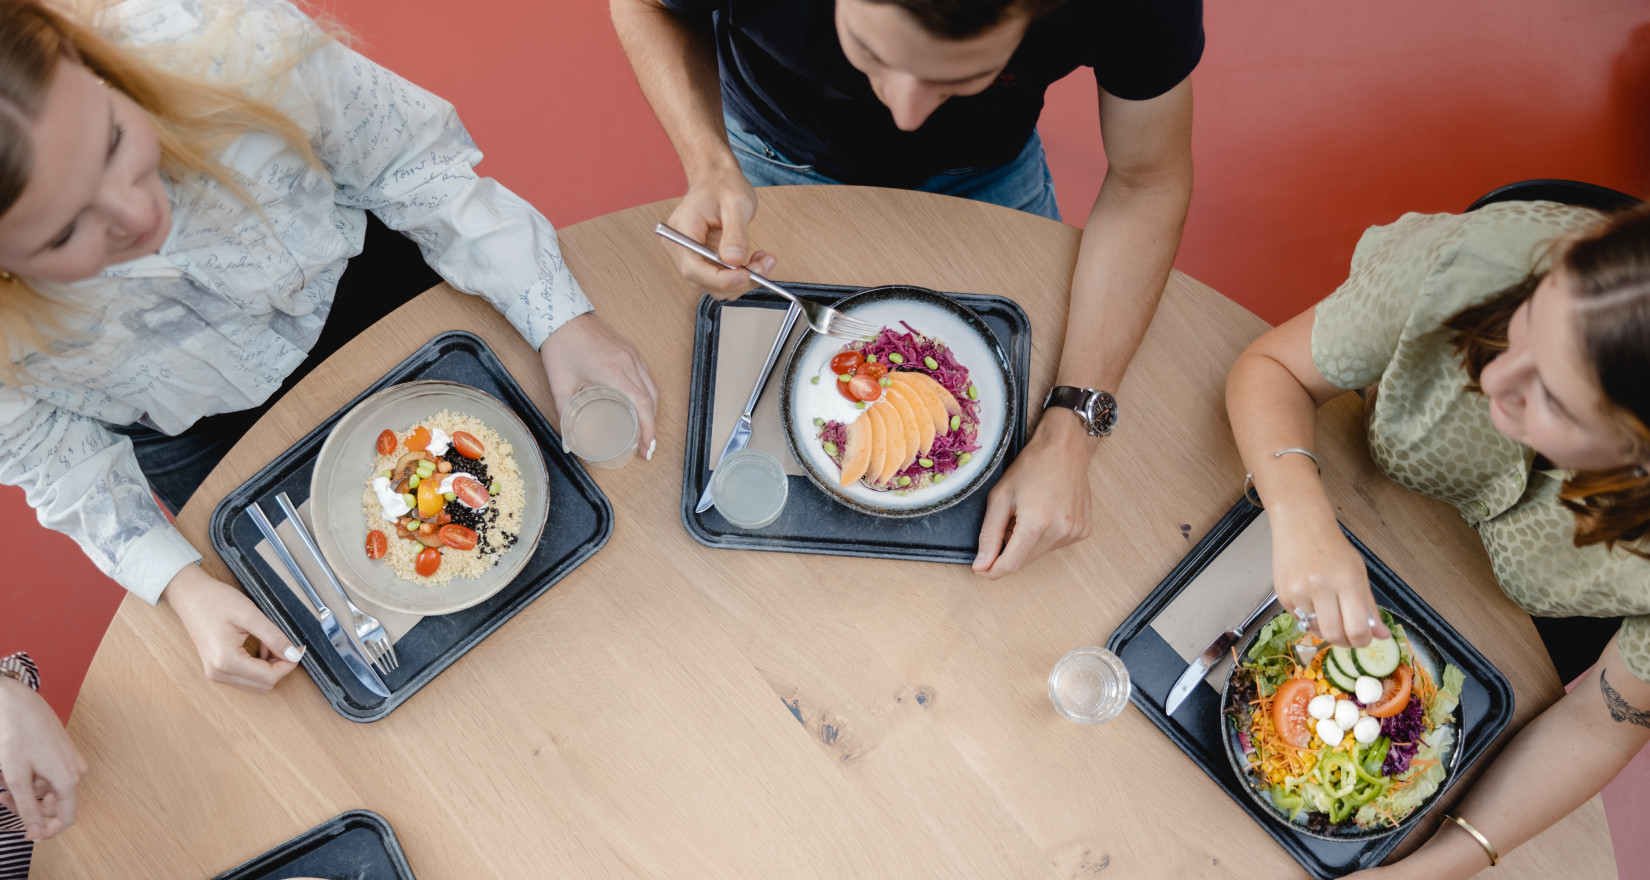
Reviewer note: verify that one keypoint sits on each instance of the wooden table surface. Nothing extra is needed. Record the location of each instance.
(673, 711)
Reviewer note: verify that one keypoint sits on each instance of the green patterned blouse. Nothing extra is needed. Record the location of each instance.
(1432, 435)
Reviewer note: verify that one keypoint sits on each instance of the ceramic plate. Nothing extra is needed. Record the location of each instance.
(344, 464)
(930, 314)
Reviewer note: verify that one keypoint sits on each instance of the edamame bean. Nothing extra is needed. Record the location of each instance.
(492, 489)
(926, 462)
(956, 422)
(845, 377)
(886, 382)
(870, 358)
(413, 526)
(939, 478)
(413, 481)
(963, 459)
(972, 394)
(814, 380)
(859, 404)
(830, 448)
(897, 358)
(451, 496)
(905, 481)
(411, 499)
(930, 363)
(819, 422)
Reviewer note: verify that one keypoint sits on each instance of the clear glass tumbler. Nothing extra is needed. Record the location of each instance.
(599, 425)
(749, 488)
(1089, 685)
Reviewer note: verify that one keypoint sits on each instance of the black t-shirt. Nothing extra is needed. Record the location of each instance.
(785, 78)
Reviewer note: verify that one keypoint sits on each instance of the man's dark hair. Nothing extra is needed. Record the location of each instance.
(961, 19)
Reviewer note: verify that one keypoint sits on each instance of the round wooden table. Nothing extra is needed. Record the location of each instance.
(641, 718)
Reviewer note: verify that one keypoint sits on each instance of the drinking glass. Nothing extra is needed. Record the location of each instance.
(599, 425)
(1089, 685)
(749, 488)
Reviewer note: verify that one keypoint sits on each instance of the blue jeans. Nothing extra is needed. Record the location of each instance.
(1023, 183)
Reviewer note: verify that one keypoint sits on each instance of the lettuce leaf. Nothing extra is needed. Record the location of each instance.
(1402, 802)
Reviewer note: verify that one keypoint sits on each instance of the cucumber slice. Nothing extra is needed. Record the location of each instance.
(1379, 658)
(1338, 677)
(1343, 659)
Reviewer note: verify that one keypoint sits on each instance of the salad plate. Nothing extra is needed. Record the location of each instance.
(932, 351)
(1349, 789)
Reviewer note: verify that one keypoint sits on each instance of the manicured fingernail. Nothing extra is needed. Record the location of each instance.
(652, 445)
(293, 653)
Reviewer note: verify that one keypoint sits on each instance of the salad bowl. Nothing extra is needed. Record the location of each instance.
(807, 394)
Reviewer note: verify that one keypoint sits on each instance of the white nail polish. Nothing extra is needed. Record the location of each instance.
(293, 653)
(652, 445)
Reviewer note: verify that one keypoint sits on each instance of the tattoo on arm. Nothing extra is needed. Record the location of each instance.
(1619, 709)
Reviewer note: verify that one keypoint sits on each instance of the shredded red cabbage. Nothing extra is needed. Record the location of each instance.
(1405, 730)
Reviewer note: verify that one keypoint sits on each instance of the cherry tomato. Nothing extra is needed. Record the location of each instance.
(429, 559)
(875, 371)
(842, 388)
(467, 446)
(1394, 694)
(457, 537)
(864, 388)
(470, 492)
(377, 544)
(846, 362)
(386, 442)
(419, 439)
(430, 499)
(1289, 711)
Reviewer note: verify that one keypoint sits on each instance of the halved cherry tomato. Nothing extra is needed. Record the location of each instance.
(846, 362)
(419, 439)
(430, 499)
(429, 559)
(864, 388)
(377, 544)
(470, 492)
(875, 371)
(1289, 714)
(1394, 694)
(467, 446)
(842, 388)
(457, 537)
(386, 442)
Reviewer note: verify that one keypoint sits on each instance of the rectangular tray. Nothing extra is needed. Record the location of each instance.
(812, 522)
(358, 843)
(580, 522)
(1486, 696)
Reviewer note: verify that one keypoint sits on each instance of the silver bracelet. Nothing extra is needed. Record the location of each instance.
(1253, 497)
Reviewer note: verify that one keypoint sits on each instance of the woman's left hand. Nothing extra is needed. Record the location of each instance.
(584, 352)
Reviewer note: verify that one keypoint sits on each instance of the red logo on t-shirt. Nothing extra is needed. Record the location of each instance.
(1006, 79)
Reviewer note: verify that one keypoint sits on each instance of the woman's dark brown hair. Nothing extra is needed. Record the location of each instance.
(1608, 270)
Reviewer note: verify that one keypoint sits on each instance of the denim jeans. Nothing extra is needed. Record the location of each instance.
(1023, 183)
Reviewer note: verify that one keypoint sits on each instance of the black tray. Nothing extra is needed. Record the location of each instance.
(812, 522)
(355, 844)
(1485, 710)
(580, 522)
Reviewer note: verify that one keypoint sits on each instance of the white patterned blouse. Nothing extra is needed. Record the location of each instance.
(233, 301)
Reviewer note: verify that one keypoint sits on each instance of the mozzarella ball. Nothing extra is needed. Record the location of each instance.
(1366, 730)
(1330, 732)
(1346, 714)
(1368, 689)
(1321, 707)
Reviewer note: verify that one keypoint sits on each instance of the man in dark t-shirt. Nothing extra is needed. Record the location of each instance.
(942, 96)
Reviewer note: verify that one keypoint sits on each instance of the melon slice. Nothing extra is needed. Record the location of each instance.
(879, 442)
(919, 431)
(923, 401)
(901, 446)
(952, 407)
(856, 451)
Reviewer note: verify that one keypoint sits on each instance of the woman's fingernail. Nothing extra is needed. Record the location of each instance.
(293, 653)
(651, 445)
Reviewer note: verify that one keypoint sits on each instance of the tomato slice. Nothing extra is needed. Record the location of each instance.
(846, 362)
(429, 559)
(1289, 711)
(386, 442)
(470, 492)
(875, 371)
(457, 537)
(467, 445)
(430, 499)
(419, 439)
(377, 544)
(864, 388)
(1394, 694)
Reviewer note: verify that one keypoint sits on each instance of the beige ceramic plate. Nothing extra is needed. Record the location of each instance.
(345, 462)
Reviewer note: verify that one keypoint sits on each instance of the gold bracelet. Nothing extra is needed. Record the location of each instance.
(1482, 840)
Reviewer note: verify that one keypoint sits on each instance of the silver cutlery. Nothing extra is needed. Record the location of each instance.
(1194, 673)
(367, 628)
(354, 658)
(741, 436)
(823, 319)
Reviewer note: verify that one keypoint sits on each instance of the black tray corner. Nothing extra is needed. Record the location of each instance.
(356, 843)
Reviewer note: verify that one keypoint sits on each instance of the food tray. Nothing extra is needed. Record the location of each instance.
(580, 522)
(358, 843)
(812, 522)
(1486, 696)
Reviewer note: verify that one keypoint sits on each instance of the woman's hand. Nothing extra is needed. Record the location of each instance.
(220, 618)
(1315, 569)
(41, 766)
(584, 352)
(717, 212)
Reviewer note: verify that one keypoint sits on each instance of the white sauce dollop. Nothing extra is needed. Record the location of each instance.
(447, 486)
(393, 504)
(439, 441)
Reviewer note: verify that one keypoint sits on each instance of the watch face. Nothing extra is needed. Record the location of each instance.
(1102, 413)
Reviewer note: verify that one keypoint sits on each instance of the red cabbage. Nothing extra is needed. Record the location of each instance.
(1404, 730)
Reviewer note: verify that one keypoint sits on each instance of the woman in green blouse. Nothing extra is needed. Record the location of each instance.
(1503, 355)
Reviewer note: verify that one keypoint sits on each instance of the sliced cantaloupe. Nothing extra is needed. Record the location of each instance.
(856, 450)
(919, 431)
(952, 407)
(879, 442)
(898, 441)
(923, 400)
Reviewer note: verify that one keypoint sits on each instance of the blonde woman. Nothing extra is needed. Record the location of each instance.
(182, 185)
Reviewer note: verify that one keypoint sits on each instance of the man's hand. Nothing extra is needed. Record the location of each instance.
(1042, 502)
(584, 352)
(717, 212)
(219, 619)
(42, 766)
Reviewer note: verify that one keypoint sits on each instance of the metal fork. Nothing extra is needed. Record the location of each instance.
(823, 319)
(367, 628)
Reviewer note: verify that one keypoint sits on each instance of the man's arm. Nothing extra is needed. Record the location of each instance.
(1127, 250)
(674, 58)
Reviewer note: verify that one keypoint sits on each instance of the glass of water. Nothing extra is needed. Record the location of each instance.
(599, 425)
(1089, 685)
(749, 488)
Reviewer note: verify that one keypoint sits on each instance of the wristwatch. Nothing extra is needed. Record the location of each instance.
(1096, 409)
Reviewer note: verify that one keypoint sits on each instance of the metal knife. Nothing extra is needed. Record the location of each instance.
(351, 653)
(1194, 673)
(742, 429)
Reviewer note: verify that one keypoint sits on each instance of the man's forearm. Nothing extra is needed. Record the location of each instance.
(675, 64)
